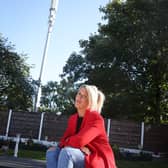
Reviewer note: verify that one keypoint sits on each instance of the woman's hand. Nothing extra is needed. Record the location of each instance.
(85, 150)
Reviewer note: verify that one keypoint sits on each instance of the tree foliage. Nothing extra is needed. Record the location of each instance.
(58, 97)
(127, 59)
(142, 36)
(15, 90)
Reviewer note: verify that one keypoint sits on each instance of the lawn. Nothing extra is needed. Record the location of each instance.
(39, 155)
(157, 163)
(142, 164)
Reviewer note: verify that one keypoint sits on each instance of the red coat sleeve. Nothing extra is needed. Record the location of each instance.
(93, 127)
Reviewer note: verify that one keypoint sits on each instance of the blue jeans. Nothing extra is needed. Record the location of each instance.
(67, 157)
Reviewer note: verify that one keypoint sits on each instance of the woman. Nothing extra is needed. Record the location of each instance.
(84, 143)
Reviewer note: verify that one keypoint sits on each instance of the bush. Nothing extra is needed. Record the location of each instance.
(142, 156)
(30, 145)
(116, 151)
(127, 155)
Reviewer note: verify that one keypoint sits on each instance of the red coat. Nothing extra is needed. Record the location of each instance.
(92, 134)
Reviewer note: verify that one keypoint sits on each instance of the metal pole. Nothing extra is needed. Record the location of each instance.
(142, 135)
(53, 9)
(41, 125)
(17, 145)
(8, 124)
(108, 127)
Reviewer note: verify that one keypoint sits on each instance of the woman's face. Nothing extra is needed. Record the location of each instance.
(81, 99)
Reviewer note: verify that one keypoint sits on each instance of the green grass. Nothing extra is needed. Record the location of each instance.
(142, 164)
(40, 155)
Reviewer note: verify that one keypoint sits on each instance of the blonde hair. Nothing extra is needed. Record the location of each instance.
(95, 97)
(100, 100)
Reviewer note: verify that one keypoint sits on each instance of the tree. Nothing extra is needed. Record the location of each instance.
(49, 93)
(128, 60)
(144, 49)
(16, 89)
(58, 97)
(75, 68)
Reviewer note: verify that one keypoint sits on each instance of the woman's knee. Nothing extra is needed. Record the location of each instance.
(51, 152)
(65, 151)
(53, 148)
(51, 158)
(70, 152)
(72, 156)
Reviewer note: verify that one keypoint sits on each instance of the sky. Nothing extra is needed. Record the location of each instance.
(25, 24)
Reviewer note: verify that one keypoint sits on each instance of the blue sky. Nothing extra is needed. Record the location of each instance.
(25, 24)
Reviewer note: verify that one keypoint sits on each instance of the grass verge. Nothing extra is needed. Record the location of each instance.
(40, 155)
(142, 164)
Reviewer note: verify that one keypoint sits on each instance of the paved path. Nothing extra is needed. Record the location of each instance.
(13, 162)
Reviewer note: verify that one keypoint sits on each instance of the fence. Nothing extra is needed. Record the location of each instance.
(49, 126)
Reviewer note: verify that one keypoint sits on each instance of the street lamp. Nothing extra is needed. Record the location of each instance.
(53, 9)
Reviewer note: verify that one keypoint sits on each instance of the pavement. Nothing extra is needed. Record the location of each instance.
(15, 162)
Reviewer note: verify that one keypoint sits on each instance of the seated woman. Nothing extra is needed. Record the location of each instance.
(84, 143)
